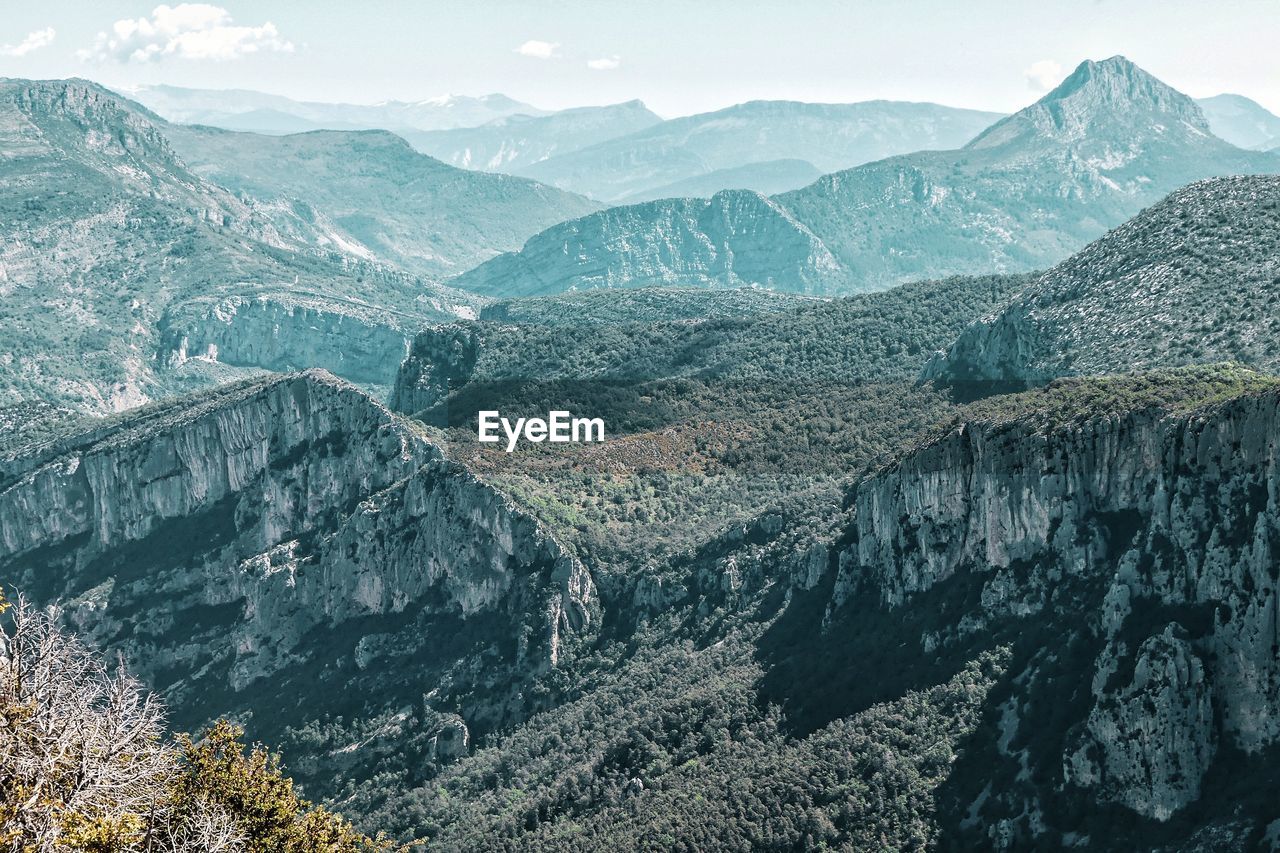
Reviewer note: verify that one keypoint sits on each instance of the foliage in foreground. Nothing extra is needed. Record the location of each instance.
(85, 764)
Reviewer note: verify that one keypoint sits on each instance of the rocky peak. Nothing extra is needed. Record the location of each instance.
(1098, 100)
(74, 115)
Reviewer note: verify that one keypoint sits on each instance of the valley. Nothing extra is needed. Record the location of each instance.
(935, 501)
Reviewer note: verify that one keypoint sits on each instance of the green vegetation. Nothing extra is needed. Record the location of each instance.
(1076, 400)
(689, 458)
(85, 766)
(711, 422)
(1194, 279)
(869, 338)
(668, 747)
(642, 305)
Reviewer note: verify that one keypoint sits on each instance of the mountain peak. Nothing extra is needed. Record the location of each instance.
(1100, 94)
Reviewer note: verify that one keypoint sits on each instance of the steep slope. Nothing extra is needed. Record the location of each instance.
(1241, 121)
(1193, 279)
(259, 112)
(516, 142)
(370, 194)
(1124, 545)
(829, 136)
(733, 239)
(111, 243)
(1050, 624)
(1024, 195)
(286, 551)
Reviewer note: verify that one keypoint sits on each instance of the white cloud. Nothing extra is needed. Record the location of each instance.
(605, 63)
(187, 31)
(539, 49)
(1043, 75)
(33, 41)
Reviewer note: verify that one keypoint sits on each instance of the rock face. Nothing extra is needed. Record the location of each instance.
(1148, 294)
(1149, 743)
(110, 238)
(735, 238)
(438, 360)
(1143, 548)
(282, 542)
(362, 343)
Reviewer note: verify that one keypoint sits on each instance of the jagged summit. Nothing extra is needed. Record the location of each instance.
(79, 114)
(1097, 96)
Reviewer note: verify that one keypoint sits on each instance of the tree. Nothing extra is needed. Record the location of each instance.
(86, 764)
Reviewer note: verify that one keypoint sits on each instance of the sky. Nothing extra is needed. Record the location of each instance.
(678, 57)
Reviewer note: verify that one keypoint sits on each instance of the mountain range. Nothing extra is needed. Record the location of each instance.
(944, 561)
(829, 137)
(514, 143)
(321, 250)
(259, 112)
(769, 612)
(1023, 194)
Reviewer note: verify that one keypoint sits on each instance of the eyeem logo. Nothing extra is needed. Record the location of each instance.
(558, 428)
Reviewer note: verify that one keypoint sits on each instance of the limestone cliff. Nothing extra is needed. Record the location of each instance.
(1135, 557)
(358, 342)
(288, 543)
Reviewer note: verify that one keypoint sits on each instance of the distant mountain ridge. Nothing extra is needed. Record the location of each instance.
(828, 136)
(370, 195)
(767, 177)
(517, 142)
(259, 112)
(1026, 193)
(1242, 121)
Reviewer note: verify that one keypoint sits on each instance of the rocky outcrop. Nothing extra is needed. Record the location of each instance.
(293, 531)
(1151, 538)
(1149, 743)
(439, 359)
(356, 342)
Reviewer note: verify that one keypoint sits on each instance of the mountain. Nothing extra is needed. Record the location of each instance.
(1241, 121)
(369, 194)
(259, 112)
(718, 336)
(238, 539)
(736, 238)
(516, 142)
(1024, 194)
(828, 136)
(772, 176)
(1193, 279)
(1102, 663)
(116, 253)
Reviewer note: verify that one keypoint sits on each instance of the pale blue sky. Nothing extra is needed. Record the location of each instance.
(679, 57)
